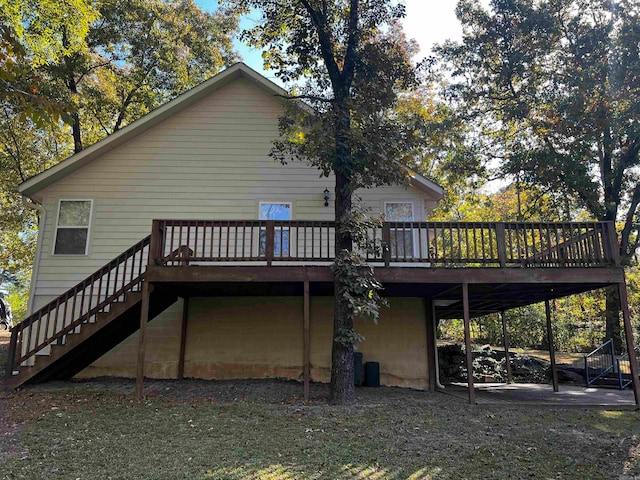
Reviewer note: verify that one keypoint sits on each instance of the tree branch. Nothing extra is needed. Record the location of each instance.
(626, 160)
(628, 223)
(306, 97)
(326, 45)
(349, 67)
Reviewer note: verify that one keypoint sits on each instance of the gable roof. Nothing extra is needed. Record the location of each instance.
(239, 70)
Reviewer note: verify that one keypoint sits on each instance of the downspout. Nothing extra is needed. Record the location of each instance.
(36, 261)
(435, 329)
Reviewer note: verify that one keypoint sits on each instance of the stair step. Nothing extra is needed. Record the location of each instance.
(90, 340)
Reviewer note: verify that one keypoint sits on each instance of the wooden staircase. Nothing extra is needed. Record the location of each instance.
(84, 323)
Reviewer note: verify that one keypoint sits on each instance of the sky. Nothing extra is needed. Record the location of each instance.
(427, 21)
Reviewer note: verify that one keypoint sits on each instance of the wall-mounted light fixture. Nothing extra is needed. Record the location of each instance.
(326, 197)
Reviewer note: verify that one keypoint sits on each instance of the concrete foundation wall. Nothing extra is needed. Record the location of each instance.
(261, 337)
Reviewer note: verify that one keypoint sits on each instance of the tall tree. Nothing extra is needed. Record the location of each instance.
(558, 84)
(352, 60)
(30, 113)
(140, 54)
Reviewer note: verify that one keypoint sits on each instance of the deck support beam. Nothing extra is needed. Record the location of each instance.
(144, 319)
(505, 343)
(628, 333)
(467, 342)
(183, 337)
(432, 363)
(552, 353)
(306, 341)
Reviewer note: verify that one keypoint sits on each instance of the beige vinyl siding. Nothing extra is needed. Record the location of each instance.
(209, 161)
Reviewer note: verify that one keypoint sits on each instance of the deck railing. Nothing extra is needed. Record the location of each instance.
(599, 363)
(442, 244)
(624, 368)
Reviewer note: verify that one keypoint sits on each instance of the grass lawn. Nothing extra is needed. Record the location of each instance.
(237, 430)
(261, 429)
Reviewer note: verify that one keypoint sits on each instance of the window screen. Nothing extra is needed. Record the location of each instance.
(72, 227)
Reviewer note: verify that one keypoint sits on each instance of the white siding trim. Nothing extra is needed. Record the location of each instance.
(42, 221)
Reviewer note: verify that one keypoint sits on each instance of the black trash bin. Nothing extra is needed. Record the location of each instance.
(372, 374)
(357, 368)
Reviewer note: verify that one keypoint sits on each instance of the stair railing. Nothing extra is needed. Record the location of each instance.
(599, 362)
(79, 304)
(624, 368)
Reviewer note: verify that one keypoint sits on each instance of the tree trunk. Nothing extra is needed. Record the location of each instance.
(341, 387)
(613, 328)
(75, 117)
(612, 315)
(77, 135)
(72, 85)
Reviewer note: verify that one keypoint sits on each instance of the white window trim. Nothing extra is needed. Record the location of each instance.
(278, 202)
(413, 219)
(88, 227)
(275, 202)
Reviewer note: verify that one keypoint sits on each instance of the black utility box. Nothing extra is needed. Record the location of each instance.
(372, 374)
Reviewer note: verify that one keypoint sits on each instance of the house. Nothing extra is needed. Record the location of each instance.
(182, 219)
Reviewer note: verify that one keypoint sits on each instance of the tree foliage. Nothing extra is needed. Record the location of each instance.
(556, 84)
(139, 54)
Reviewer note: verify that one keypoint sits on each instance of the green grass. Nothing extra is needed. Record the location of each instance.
(98, 432)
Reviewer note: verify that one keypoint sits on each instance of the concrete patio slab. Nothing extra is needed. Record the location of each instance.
(542, 394)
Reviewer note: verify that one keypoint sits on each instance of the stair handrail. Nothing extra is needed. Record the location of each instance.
(624, 383)
(600, 368)
(114, 288)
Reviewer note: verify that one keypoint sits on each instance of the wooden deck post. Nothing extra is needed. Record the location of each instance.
(306, 340)
(386, 243)
(467, 342)
(144, 318)
(156, 242)
(628, 333)
(11, 357)
(505, 343)
(270, 242)
(501, 244)
(552, 353)
(612, 251)
(431, 345)
(183, 337)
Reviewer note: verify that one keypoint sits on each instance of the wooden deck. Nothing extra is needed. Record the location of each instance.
(461, 270)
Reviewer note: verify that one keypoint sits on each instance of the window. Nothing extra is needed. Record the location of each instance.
(401, 239)
(72, 227)
(275, 211)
